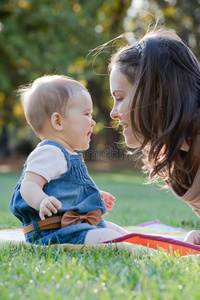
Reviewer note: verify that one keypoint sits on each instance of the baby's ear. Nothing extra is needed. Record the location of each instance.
(56, 121)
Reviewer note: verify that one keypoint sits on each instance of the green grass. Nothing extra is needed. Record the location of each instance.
(50, 273)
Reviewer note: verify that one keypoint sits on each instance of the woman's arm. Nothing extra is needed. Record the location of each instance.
(193, 237)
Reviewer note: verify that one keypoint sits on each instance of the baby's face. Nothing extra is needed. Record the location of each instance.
(78, 123)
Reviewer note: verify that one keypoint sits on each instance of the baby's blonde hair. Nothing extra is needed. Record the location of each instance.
(46, 95)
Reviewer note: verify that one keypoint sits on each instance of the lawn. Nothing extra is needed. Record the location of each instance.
(51, 273)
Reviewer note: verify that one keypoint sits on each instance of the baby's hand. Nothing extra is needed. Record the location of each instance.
(108, 199)
(193, 237)
(49, 205)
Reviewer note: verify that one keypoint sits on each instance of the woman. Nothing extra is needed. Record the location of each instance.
(156, 89)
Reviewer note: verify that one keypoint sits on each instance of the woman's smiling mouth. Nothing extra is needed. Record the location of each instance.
(124, 124)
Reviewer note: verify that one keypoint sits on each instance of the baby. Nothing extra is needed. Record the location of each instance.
(55, 198)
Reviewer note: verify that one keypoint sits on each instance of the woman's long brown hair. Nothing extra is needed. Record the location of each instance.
(165, 106)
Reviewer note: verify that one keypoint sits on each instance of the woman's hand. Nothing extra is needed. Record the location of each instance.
(108, 199)
(193, 237)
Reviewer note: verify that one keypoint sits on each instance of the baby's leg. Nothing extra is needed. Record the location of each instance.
(116, 228)
(96, 236)
(112, 232)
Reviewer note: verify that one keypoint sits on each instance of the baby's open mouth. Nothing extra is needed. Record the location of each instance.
(89, 133)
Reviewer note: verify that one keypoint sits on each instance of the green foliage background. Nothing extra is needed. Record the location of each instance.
(55, 37)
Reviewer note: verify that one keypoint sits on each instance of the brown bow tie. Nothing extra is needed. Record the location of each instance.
(72, 218)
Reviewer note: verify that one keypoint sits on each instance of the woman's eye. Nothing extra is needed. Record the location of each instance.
(119, 99)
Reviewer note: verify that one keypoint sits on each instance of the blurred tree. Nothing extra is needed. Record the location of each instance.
(47, 37)
(183, 16)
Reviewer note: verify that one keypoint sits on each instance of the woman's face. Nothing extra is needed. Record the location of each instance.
(122, 91)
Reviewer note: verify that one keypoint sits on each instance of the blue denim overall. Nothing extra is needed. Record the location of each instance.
(77, 192)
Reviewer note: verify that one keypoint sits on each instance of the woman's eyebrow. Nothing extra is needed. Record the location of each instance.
(115, 91)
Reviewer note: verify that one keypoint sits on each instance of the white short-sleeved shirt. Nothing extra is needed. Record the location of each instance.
(47, 161)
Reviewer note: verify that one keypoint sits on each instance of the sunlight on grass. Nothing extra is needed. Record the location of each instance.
(29, 272)
(47, 272)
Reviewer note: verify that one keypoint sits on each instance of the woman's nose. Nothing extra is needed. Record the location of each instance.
(114, 113)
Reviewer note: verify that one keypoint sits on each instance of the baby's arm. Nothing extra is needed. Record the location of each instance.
(193, 237)
(32, 193)
(108, 199)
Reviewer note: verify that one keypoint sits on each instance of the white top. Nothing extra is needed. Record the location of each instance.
(47, 161)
